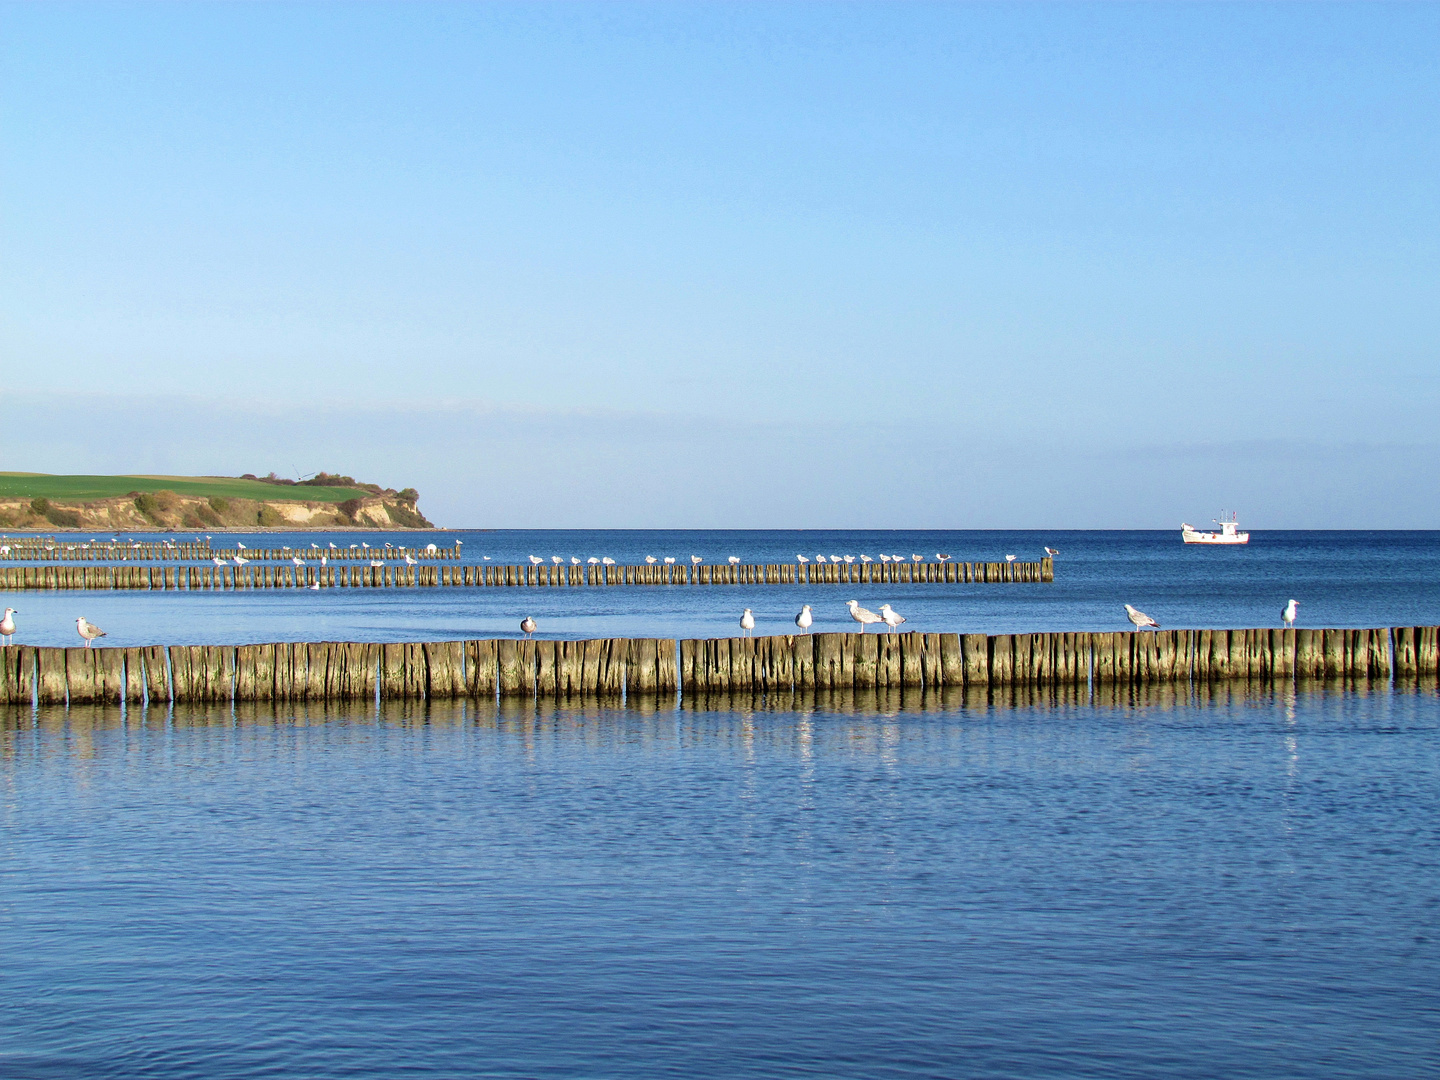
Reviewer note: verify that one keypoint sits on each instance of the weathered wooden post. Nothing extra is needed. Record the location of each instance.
(481, 669)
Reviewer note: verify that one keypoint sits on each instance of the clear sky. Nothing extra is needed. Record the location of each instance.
(735, 265)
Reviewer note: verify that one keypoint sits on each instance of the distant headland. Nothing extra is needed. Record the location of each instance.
(169, 503)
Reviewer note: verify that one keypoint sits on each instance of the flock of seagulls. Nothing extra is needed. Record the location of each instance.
(735, 560)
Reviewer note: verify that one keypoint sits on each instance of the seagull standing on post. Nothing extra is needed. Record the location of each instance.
(747, 622)
(527, 626)
(88, 631)
(1052, 552)
(805, 620)
(861, 615)
(1140, 619)
(7, 626)
(891, 617)
(1291, 610)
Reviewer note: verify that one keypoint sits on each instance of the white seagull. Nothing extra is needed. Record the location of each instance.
(1009, 558)
(557, 559)
(239, 545)
(884, 558)
(7, 626)
(240, 560)
(410, 560)
(324, 560)
(608, 561)
(820, 558)
(942, 558)
(734, 560)
(747, 622)
(1291, 610)
(527, 626)
(669, 560)
(1140, 619)
(377, 562)
(593, 561)
(918, 558)
(849, 559)
(88, 631)
(805, 620)
(535, 560)
(801, 559)
(651, 559)
(297, 560)
(696, 560)
(892, 618)
(861, 615)
(1052, 552)
(314, 586)
(866, 558)
(217, 560)
(574, 561)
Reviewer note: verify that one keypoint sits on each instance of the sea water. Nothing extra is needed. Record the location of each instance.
(1183, 882)
(1178, 886)
(1342, 579)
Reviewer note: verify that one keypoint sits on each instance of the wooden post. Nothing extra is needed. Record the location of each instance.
(481, 669)
(445, 669)
(642, 666)
(1333, 650)
(508, 657)
(952, 663)
(1405, 660)
(912, 658)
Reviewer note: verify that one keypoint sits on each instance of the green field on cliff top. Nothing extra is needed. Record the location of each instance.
(85, 488)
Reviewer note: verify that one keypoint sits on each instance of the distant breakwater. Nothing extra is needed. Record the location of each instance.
(615, 667)
(418, 576)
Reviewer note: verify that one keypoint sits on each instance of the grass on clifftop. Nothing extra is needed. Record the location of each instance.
(86, 488)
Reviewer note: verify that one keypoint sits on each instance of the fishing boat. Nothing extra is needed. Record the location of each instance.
(1229, 532)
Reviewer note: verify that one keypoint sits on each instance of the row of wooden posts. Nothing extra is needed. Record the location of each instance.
(612, 667)
(292, 577)
(25, 551)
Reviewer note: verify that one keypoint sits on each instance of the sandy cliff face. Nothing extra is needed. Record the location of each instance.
(167, 511)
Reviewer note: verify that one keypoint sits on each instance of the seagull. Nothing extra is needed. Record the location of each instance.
(801, 559)
(861, 615)
(1052, 552)
(884, 558)
(324, 560)
(1288, 614)
(734, 560)
(410, 560)
(696, 560)
(88, 631)
(527, 626)
(849, 559)
(820, 558)
(240, 560)
(651, 559)
(593, 561)
(574, 561)
(297, 560)
(315, 545)
(1009, 558)
(7, 626)
(892, 618)
(332, 546)
(747, 622)
(918, 558)
(239, 545)
(377, 562)
(866, 558)
(835, 558)
(217, 560)
(669, 560)
(1140, 619)
(314, 586)
(535, 560)
(608, 561)
(557, 559)
(804, 620)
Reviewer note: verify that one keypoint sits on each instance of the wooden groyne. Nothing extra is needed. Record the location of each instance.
(211, 577)
(28, 550)
(616, 667)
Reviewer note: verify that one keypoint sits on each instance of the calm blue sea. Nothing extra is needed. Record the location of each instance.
(1342, 579)
(1243, 884)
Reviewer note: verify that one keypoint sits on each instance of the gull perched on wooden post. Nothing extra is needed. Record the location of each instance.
(217, 560)
(891, 617)
(535, 560)
(669, 560)
(1052, 552)
(942, 558)
(861, 615)
(1291, 610)
(805, 620)
(820, 558)
(651, 560)
(734, 560)
(1140, 619)
(608, 561)
(696, 560)
(801, 559)
(747, 622)
(557, 559)
(527, 625)
(88, 631)
(7, 626)
(866, 558)
(1009, 558)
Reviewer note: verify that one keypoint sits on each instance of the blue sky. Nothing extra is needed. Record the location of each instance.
(749, 265)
